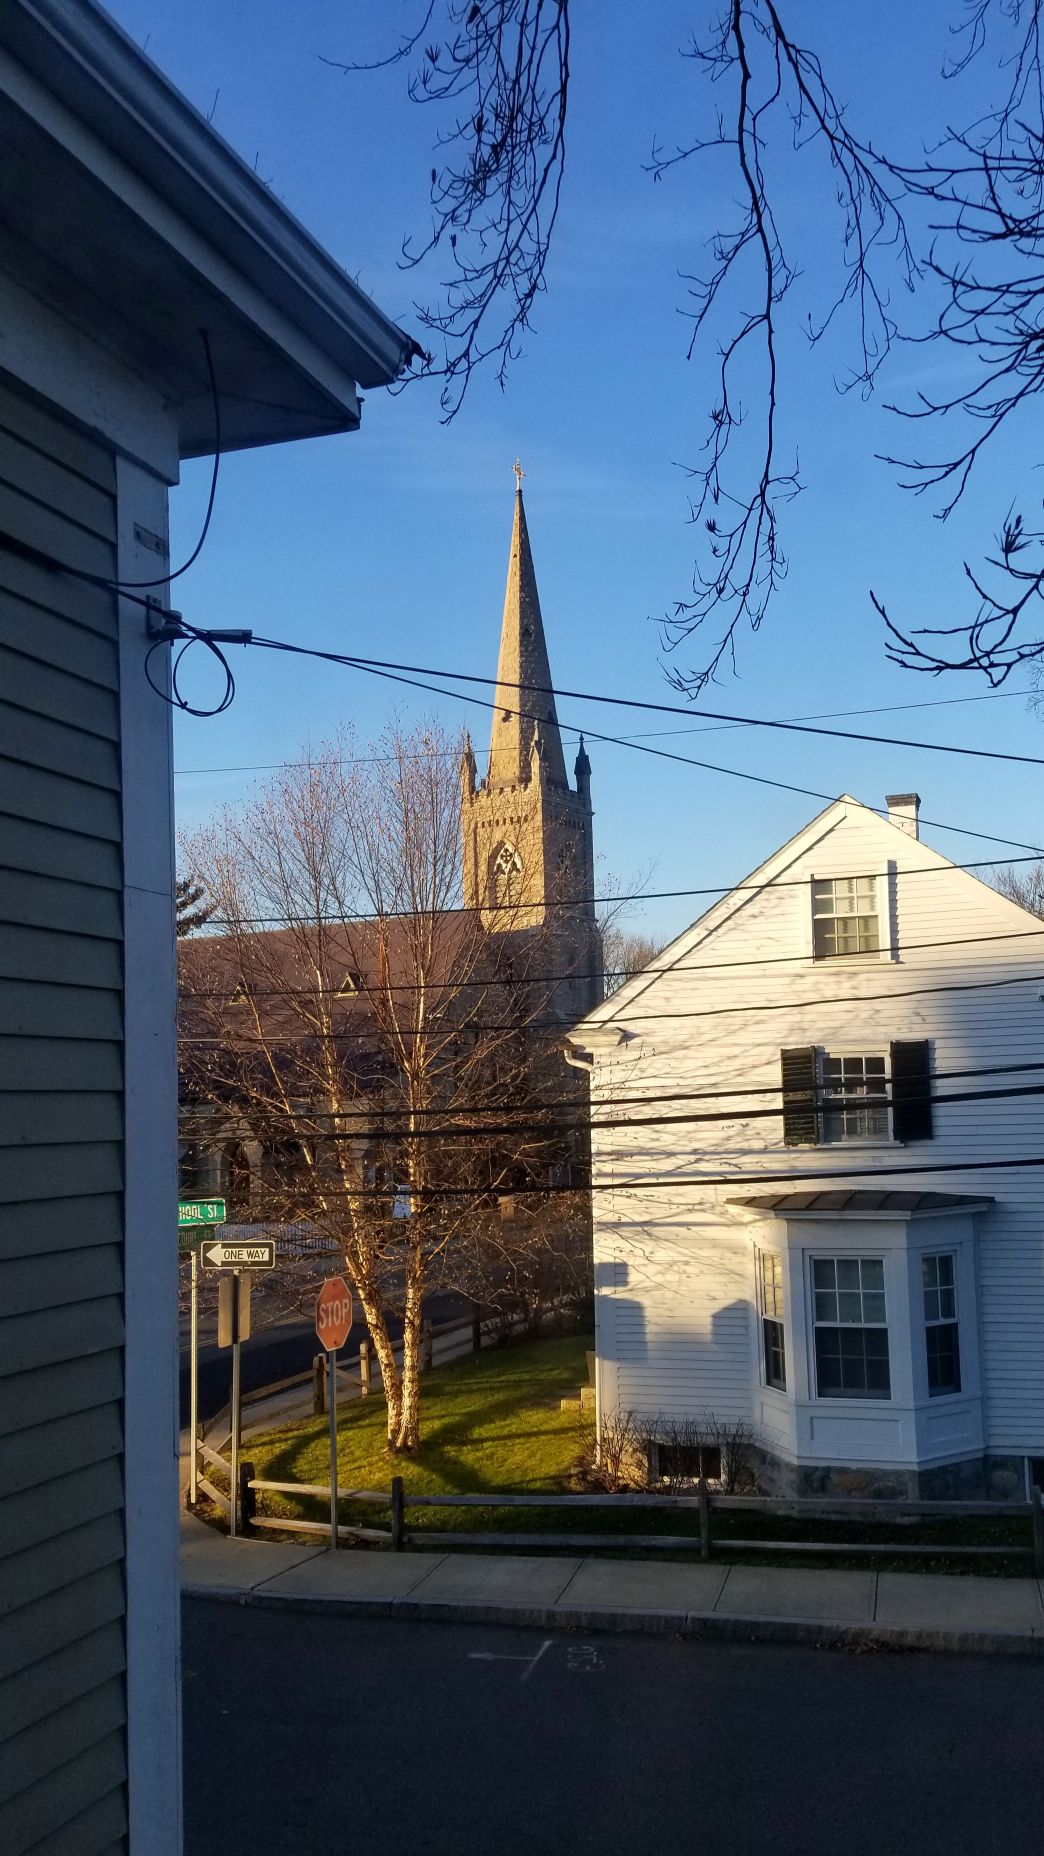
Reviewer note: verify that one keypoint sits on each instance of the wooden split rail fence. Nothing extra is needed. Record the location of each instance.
(703, 1505)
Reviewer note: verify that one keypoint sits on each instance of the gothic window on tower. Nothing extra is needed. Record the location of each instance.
(507, 873)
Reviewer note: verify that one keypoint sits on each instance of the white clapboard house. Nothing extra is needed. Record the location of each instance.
(818, 1188)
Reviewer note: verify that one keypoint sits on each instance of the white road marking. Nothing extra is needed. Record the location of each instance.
(582, 1657)
(496, 1656)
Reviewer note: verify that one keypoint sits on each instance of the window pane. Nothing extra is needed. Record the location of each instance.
(872, 1272)
(944, 1268)
(930, 1272)
(947, 1305)
(944, 1363)
(848, 1273)
(850, 1308)
(931, 1305)
(826, 1305)
(823, 1272)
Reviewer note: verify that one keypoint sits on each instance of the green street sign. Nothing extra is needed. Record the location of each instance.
(200, 1211)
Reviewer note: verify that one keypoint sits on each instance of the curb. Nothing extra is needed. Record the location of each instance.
(699, 1626)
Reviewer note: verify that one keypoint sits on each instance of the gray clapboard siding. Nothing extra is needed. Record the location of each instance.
(46, 1171)
(64, 1063)
(52, 1623)
(50, 593)
(55, 1390)
(51, 902)
(28, 1458)
(50, 639)
(52, 1803)
(42, 1514)
(97, 1832)
(60, 957)
(50, 1684)
(28, 1758)
(55, 799)
(62, 1649)
(23, 516)
(59, 1012)
(61, 1561)
(34, 473)
(64, 1277)
(25, 418)
(37, 1118)
(45, 689)
(62, 1333)
(57, 748)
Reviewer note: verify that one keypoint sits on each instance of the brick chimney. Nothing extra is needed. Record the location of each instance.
(903, 810)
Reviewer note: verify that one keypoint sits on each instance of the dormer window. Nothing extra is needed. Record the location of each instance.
(845, 916)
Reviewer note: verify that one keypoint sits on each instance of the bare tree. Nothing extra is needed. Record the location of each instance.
(1025, 886)
(354, 1017)
(192, 908)
(626, 953)
(954, 233)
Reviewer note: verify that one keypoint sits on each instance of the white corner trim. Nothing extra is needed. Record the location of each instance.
(150, 1207)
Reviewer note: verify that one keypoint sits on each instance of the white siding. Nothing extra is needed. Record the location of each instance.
(678, 1324)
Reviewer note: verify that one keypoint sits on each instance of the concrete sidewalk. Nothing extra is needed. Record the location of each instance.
(883, 1610)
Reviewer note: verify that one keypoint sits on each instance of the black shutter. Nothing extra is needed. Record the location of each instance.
(911, 1091)
(800, 1120)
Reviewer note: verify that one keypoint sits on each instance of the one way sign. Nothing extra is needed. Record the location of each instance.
(222, 1254)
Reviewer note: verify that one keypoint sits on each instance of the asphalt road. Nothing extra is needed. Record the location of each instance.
(307, 1732)
(275, 1353)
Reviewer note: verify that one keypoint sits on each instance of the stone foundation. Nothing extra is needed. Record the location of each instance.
(983, 1478)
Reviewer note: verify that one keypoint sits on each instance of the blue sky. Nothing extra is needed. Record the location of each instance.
(393, 542)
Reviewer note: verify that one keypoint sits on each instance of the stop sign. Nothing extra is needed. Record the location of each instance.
(333, 1313)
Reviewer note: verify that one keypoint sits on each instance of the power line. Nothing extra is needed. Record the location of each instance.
(688, 760)
(659, 1183)
(657, 734)
(448, 1032)
(555, 979)
(825, 1104)
(377, 1110)
(631, 702)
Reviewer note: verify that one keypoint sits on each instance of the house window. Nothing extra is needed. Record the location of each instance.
(844, 916)
(851, 1332)
(857, 1088)
(940, 1325)
(688, 1462)
(770, 1292)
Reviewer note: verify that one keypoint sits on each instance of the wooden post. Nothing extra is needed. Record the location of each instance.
(247, 1497)
(705, 1540)
(1038, 1532)
(476, 1328)
(364, 1367)
(427, 1347)
(319, 1385)
(398, 1514)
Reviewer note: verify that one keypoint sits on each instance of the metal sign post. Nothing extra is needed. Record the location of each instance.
(331, 1380)
(333, 1323)
(194, 1383)
(234, 1473)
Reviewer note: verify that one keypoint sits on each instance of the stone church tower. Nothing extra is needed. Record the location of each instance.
(528, 852)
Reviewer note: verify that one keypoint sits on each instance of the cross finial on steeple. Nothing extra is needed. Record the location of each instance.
(519, 474)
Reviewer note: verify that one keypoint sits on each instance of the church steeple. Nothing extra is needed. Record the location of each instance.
(527, 834)
(523, 660)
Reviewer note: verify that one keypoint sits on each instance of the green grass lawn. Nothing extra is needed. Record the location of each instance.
(491, 1421)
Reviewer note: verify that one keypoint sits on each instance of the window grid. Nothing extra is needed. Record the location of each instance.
(942, 1341)
(770, 1273)
(862, 1082)
(850, 1327)
(844, 916)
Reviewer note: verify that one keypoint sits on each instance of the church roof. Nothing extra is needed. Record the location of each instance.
(522, 714)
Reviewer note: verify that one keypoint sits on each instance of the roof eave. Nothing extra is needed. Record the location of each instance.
(86, 60)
